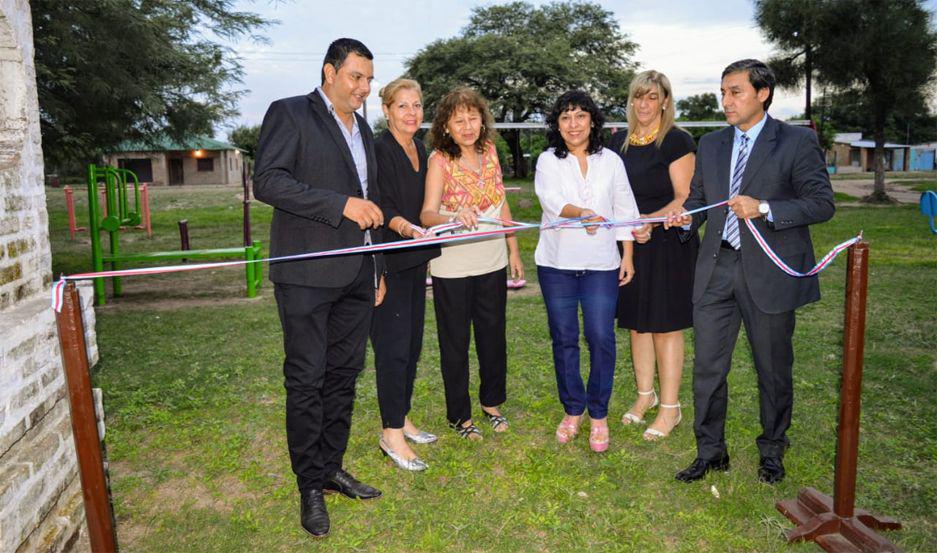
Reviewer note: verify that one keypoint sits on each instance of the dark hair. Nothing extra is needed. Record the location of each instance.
(759, 75)
(338, 52)
(465, 98)
(569, 101)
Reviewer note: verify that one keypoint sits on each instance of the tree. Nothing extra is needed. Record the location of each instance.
(797, 28)
(110, 70)
(521, 58)
(699, 107)
(246, 138)
(883, 53)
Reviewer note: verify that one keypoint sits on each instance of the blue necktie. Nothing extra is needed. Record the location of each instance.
(732, 222)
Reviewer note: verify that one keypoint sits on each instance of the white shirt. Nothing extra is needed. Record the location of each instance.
(605, 190)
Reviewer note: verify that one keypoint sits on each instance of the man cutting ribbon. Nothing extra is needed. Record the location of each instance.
(775, 176)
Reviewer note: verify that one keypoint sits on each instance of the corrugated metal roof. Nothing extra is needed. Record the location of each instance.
(166, 144)
(871, 144)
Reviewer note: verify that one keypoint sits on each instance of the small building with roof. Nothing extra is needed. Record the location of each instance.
(852, 154)
(197, 160)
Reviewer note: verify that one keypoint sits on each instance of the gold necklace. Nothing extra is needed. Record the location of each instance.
(636, 140)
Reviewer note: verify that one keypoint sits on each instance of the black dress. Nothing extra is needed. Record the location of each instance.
(660, 298)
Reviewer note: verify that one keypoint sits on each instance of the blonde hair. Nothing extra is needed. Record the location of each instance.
(644, 83)
(392, 88)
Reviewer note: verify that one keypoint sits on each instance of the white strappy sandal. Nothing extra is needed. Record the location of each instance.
(631, 418)
(652, 434)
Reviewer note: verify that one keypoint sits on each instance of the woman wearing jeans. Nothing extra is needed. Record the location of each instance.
(577, 177)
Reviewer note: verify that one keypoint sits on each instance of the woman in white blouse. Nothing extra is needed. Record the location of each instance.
(577, 177)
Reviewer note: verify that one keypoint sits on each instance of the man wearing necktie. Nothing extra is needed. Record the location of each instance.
(775, 175)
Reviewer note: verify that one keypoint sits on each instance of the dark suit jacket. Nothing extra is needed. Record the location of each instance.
(305, 171)
(786, 168)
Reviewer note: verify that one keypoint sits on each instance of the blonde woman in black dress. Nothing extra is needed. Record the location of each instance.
(657, 305)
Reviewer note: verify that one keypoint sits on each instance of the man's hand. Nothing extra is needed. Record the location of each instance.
(364, 212)
(745, 207)
(380, 292)
(676, 218)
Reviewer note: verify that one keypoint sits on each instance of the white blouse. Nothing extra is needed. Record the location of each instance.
(605, 190)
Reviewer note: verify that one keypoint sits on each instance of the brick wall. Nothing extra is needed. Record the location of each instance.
(40, 493)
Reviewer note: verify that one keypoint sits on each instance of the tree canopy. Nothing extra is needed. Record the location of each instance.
(110, 70)
(246, 137)
(881, 54)
(521, 58)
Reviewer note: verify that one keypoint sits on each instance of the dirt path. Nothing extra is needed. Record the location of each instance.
(863, 187)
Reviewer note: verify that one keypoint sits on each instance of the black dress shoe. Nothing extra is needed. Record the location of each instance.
(700, 467)
(312, 514)
(346, 484)
(771, 470)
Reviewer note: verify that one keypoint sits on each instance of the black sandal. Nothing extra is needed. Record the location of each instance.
(496, 420)
(465, 431)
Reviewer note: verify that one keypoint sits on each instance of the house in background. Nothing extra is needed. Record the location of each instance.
(851, 154)
(923, 157)
(198, 160)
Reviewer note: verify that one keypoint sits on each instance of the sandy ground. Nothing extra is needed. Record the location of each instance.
(863, 187)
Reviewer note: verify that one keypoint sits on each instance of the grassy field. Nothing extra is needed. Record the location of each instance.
(191, 372)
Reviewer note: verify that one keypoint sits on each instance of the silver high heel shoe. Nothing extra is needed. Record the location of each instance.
(416, 464)
(421, 437)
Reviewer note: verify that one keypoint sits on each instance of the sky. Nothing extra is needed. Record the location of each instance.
(690, 41)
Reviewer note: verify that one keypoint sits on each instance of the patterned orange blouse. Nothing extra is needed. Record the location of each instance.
(465, 187)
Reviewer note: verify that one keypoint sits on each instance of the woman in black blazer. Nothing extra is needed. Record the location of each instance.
(397, 324)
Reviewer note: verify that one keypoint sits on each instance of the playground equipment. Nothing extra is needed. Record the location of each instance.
(143, 205)
(118, 213)
(929, 207)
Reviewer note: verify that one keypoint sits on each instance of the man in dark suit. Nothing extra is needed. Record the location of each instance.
(774, 174)
(316, 167)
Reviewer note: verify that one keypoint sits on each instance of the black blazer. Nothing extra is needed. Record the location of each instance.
(304, 169)
(786, 168)
(402, 191)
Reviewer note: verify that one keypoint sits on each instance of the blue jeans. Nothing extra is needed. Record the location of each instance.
(597, 291)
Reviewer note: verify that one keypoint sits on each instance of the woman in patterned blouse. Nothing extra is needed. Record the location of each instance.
(464, 183)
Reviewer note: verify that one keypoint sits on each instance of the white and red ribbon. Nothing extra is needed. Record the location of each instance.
(440, 235)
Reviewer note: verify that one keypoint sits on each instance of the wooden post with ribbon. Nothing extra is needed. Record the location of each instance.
(100, 516)
(834, 523)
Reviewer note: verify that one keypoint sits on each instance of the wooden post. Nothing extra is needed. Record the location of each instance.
(145, 208)
(834, 523)
(100, 517)
(184, 236)
(70, 207)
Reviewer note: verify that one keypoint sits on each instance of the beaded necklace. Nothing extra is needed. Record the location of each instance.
(636, 140)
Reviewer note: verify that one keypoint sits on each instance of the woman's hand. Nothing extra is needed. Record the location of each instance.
(380, 292)
(626, 272)
(468, 216)
(517, 266)
(590, 216)
(642, 234)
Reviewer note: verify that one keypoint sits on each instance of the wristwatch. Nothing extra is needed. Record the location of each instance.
(763, 208)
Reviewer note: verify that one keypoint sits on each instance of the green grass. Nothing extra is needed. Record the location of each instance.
(921, 185)
(191, 373)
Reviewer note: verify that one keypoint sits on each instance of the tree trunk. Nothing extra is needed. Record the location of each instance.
(513, 138)
(808, 74)
(878, 195)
